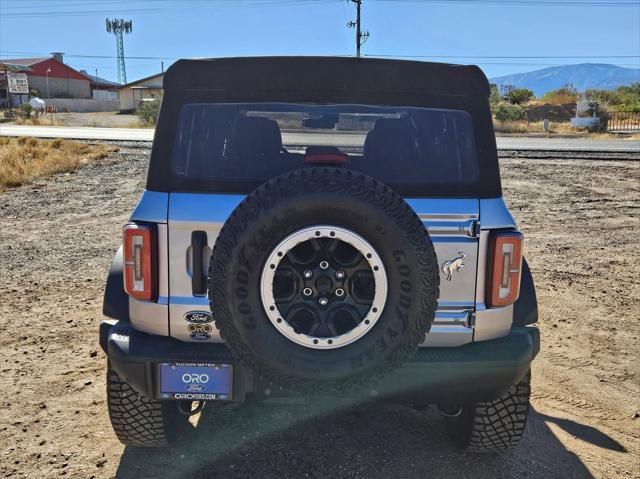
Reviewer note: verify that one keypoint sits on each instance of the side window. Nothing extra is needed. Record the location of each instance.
(446, 144)
(200, 140)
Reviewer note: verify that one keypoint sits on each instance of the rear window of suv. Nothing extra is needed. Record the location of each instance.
(252, 142)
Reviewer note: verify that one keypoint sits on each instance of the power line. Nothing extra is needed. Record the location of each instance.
(15, 54)
(381, 55)
(529, 57)
(546, 3)
(580, 3)
(22, 6)
(107, 67)
(8, 13)
(164, 4)
(77, 14)
(514, 64)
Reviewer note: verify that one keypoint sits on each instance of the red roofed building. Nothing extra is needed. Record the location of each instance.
(53, 79)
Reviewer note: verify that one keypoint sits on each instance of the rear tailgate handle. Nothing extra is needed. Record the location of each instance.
(198, 277)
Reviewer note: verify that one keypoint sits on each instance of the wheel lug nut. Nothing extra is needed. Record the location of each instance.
(339, 292)
(340, 274)
(307, 291)
(323, 301)
(324, 264)
(308, 274)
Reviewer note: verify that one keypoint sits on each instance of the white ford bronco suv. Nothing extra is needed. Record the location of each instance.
(321, 226)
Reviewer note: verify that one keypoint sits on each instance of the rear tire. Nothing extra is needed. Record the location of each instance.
(493, 426)
(139, 421)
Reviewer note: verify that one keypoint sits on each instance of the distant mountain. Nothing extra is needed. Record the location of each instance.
(583, 76)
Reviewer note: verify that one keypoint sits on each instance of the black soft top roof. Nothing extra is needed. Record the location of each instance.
(326, 76)
(325, 80)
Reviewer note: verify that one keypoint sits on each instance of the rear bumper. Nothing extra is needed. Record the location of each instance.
(474, 372)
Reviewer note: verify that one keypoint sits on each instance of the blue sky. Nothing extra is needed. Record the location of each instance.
(460, 31)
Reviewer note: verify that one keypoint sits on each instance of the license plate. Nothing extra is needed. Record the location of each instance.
(196, 381)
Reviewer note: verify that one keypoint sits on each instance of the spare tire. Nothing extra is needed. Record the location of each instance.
(323, 277)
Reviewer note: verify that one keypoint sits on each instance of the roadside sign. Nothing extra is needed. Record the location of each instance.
(18, 83)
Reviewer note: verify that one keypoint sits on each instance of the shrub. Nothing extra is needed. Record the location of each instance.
(610, 97)
(508, 112)
(603, 114)
(520, 96)
(561, 96)
(624, 98)
(630, 98)
(148, 111)
(628, 108)
(26, 109)
(494, 97)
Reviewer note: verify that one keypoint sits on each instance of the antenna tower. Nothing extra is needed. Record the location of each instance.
(120, 27)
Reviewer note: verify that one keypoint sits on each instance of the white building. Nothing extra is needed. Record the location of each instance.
(133, 93)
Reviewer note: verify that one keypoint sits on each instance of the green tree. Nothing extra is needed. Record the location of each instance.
(508, 112)
(148, 111)
(630, 98)
(520, 96)
(624, 98)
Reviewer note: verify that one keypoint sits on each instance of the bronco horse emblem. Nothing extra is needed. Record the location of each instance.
(451, 265)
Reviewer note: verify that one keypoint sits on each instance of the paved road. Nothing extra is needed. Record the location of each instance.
(81, 133)
(142, 134)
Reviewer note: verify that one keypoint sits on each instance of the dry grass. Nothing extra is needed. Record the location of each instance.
(46, 121)
(517, 127)
(24, 159)
(522, 127)
(559, 128)
(140, 124)
(133, 124)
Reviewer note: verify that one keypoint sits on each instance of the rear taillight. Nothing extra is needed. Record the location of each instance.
(505, 268)
(140, 272)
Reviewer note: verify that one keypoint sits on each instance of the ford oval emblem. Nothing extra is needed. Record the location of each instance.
(200, 336)
(198, 317)
(195, 388)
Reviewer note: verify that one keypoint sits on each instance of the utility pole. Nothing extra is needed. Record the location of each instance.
(6, 76)
(97, 91)
(47, 78)
(119, 27)
(361, 37)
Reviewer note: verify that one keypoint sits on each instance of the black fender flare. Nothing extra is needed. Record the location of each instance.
(525, 309)
(116, 300)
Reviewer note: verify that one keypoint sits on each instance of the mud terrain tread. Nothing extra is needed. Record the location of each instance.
(136, 420)
(359, 186)
(493, 426)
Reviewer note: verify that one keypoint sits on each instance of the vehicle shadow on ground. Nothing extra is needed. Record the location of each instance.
(280, 441)
(586, 433)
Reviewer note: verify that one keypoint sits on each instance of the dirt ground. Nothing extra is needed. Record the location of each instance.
(57, 237)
